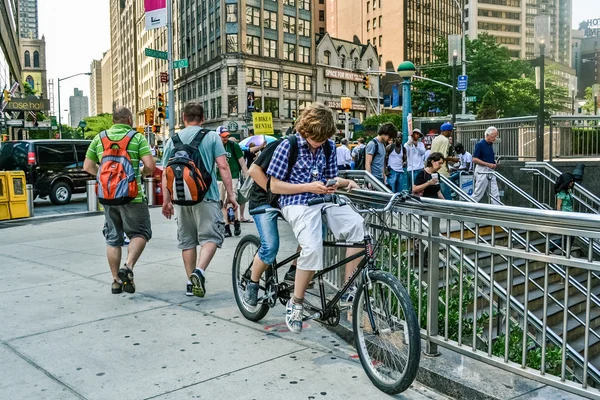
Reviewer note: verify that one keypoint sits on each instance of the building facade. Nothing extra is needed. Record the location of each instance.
(78, 108)
(10, 59)
(257, 53)
(320, 18)
(590, 61)
(96, 88)
(338, 66)
(107, 84)
(28, 19)
(33, 59)
(399, 30)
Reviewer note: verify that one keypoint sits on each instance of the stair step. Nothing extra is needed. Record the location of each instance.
(574, 328)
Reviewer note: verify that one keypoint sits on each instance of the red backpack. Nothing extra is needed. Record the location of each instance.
(116, 183)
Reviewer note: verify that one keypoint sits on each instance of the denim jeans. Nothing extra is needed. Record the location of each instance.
(266, 224)
(396, 181)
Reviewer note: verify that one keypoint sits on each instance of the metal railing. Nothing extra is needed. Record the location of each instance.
(574, 136)
(495, 301)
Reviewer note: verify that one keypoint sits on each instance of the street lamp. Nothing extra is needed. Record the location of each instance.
(464, 54)
(542, 33)
(59, 80)
(595, 92)
(454, 58)
(406, 70)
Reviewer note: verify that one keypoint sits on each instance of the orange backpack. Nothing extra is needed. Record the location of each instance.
(116, 183)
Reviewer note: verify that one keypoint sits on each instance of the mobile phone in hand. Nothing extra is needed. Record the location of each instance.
(331, 182)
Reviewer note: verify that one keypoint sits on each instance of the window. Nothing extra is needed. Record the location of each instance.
(379, 40)
(271, 79)
(289, 106)
(356, 89)
(370, 63)
(327, 57)
(304, 54)
(289, 81)
(374, 23)
(232, 43)
(253, 45)
(232, 102)
(368, 26)
(321, 15)
(289, 24)
(343, 61)
(368, 6)
(218, 79)
(304, 83)
(27, 59)
(212, 81)
(232, 10)
(289, 51)
(213, 108)
(36, 59)
(380, 21)
(343, 87)
(253, 76)
(303, 27)
(355, 64)
(270, 48)
(232, 75)
(252, 16)
(271, 105)
(55, 154)
(305, 4)
(270, 20)
(289, 3)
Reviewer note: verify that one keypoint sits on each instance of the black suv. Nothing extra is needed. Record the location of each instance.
(53, 167)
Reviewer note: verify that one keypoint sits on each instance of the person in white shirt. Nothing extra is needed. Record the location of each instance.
(344, 158)
(396, 158)
(415, 155)
(465, 162)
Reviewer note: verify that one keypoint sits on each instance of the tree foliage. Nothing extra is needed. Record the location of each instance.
(508, 84)
(28, 90)
(372, 123)
(588, 107)
(97, 124)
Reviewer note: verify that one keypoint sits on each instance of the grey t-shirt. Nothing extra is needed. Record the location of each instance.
(210, 148)
(378, 160)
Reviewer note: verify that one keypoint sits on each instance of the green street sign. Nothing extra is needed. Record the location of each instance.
(183, 63)
(471, 99)
(156, 53)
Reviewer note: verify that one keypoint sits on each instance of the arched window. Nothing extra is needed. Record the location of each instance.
(36, 59)
(343, 61)
(355, 63)
(327, 55)
(27, 59)
(30, 81)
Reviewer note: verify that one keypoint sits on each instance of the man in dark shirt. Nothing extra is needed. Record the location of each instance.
(485, 164)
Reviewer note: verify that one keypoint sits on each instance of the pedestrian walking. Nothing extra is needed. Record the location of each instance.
(441, 144)
(359, 154)
(465, 162)
(375, 152)
(396, 159)
(427, 183)
(237, 166)
(564, 192)
(117, 152)
(485, 164)
(199, 223)
(344, 157)
(415, 150)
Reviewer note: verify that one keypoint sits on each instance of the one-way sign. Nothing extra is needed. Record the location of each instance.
(462, 82)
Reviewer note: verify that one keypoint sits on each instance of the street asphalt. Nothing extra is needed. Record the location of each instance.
(65, 336)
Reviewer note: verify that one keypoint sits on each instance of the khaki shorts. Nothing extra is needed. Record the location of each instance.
(132, 219)
(199, 224)
(223, 190)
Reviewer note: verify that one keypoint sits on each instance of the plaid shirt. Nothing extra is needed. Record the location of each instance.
(308, 168)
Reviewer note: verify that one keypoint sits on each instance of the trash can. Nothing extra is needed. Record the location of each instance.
(17, 194)
(149, 188)
(92, 197)
(30, 198)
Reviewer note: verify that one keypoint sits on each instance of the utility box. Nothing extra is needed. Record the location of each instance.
(4, 207)
(17, 194)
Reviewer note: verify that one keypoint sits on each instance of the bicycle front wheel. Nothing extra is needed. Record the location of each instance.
(386, 333)
(240, 276)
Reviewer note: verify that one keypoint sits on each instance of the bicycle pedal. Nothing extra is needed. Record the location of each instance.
(312, 316)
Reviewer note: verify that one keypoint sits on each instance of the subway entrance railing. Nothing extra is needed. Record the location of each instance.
(493, 300)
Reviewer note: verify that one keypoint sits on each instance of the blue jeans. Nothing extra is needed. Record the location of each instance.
(446, 191)
(396, 181)
(266, 224)
(411, 176)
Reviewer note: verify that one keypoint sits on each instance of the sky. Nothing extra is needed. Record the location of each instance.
(78, 31)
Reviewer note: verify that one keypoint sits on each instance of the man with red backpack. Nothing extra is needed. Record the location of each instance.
(114, 158)
(190, 192)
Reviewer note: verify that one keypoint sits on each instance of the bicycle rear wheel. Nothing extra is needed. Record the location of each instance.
(390, 348)
(240, 276)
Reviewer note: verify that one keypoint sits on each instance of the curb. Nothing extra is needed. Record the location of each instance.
(47, 218)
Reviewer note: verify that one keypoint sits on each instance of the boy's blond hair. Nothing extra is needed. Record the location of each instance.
(316, 122)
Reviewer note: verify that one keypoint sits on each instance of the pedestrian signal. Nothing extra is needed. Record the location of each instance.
(156, 128)
(294, 115)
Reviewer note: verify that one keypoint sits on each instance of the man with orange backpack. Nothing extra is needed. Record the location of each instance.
(190, 192)
(114, 158)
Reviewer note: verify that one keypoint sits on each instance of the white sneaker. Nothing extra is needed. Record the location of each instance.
(293, 316)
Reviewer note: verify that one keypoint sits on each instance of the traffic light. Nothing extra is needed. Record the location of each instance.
(160, 105)
(7, 96)
(156, 128)
(366, 83)
(294, 115)
(149, 116)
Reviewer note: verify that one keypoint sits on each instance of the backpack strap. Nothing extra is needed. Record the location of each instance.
(176, 140)
(374, 140)
(198, 138)
(293, 157)
(327, 150)
(122, 144)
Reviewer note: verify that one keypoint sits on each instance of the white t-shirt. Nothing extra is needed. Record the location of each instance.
(395, 160)
(465, 159)
(343, 155)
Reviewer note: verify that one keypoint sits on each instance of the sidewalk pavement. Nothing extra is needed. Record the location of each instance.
(63, 335)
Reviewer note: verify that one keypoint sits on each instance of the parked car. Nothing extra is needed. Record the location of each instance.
(53, 167)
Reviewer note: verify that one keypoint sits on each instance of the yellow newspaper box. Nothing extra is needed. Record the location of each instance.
(17, 194)
(4, 209)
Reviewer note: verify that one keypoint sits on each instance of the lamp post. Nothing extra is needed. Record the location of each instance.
(595, 91)
(406, 70)
(542, 33)
(573, 91)
(59, 80)
(454, 58)
(464, 54)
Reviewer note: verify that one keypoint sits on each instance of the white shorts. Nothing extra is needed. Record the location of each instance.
(223, 190)
(306, 223)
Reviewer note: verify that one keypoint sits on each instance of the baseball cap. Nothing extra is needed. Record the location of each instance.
(223, 131)
(418, 131)
(446, 127)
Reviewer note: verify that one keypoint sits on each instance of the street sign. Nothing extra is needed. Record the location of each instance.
(183, 63)
(14, 122)
(156, 53)
(462, 82)
(164, 77)
(471, 99)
